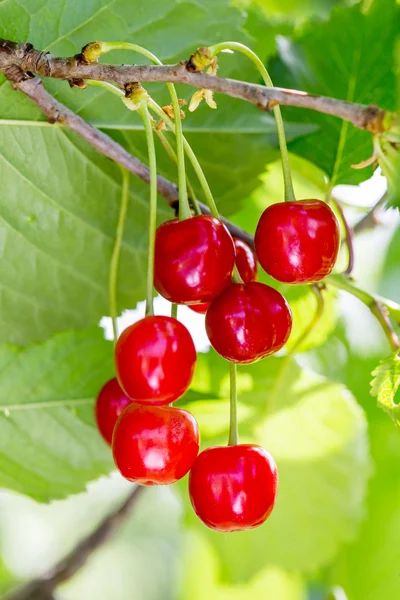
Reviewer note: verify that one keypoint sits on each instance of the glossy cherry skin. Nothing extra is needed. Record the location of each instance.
(298, 242)
(154, 360)
(194, 259)
(248, 322)
(233, 488)
(155, 444)
(110, 403)
(201, 308)
(246, 261)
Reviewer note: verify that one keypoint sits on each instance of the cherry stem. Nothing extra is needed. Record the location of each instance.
(317, 291)
(236, 275)
(191, 156)
(113, 274)
(172, 154)
(184, 208)
(349, 236)
(189, 152)
(144, 113)
(287, 177)
(174, 310)
(380, 307)
(233, 422)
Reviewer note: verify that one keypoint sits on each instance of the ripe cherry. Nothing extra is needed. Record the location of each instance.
(298, 242)
(233, 488)
(155, 444)
(201, 308)
(110, 403)
(246, 261)
(155, 360)
(194, 259)
(248, 322)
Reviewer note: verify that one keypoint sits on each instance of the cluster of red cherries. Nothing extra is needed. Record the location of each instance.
(233, 487)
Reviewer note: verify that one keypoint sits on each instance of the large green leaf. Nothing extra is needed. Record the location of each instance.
(204, 582)
(59, 200)
(317, 434)
(49, 447)
(367, 568)
(339, 58)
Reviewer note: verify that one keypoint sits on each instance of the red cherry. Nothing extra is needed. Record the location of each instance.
(233, 488)
(155, 444)
(110, 403)
(155, 360)
(248, 321)
(201, 308)
(194, 259)
(246, 261)
(298, 242)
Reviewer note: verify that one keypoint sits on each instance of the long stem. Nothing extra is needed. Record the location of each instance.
(113, 274)
(184, 209)
(380, 307)
(233, 422)
(172, 154)
(287, 177)
(144, 113)
(191, 156)
(189, 152)
(312, 324)
(349, 236)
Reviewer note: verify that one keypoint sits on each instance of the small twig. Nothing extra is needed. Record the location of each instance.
(381, 313)
(43, 588)
(371, 219)
(16, 60)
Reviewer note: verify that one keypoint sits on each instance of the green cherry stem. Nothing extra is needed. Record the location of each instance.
(381, 308)
(113, 273)
(174, 310)
(148, 127)
(184, 208)
(191, 156)
(233, 422)
(172, 154)
(287, 177)
(319, 311)
(189, 152)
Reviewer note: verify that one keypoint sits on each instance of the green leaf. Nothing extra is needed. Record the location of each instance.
(385, 383)
(292, 10)
(59, 200)
(205, 582)
(338, 58)
(317, 434)
(49, 447)
(376, 548)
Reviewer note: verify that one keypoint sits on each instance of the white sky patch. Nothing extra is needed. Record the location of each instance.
(192, 320)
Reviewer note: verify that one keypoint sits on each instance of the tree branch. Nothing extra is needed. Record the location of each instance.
(16, 60)
(56, 112)
(43, 588)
